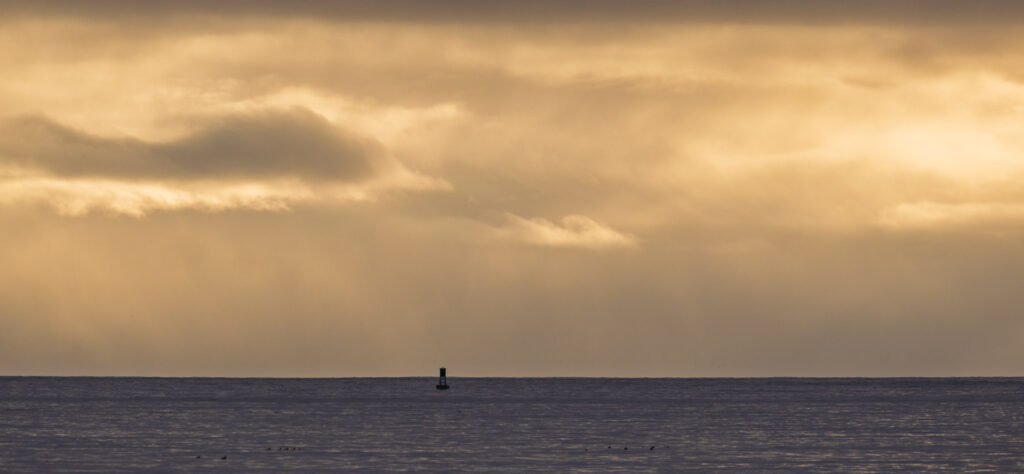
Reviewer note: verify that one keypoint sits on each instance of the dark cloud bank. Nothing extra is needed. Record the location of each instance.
(283, 144)
(541, 11)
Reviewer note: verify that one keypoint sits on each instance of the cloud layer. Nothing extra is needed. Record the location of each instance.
(653, 189)
(264, 161)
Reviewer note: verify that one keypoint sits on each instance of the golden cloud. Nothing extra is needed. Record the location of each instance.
(572, 231)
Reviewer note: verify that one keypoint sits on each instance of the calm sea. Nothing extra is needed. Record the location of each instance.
(511, 424)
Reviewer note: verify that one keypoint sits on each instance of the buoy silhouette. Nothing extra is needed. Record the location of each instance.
(443, 383)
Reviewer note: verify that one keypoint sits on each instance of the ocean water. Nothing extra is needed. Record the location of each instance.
(54, 424)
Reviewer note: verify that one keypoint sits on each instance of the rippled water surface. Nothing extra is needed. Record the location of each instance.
(167, 424)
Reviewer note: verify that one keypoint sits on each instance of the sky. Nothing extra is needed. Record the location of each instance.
(648, 189)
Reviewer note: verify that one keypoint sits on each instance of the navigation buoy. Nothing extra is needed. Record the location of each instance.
(443, 384)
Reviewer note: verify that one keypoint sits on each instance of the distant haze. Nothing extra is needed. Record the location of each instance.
(737, 188)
